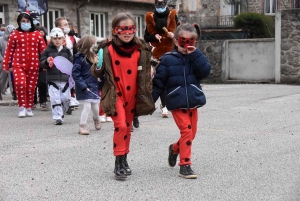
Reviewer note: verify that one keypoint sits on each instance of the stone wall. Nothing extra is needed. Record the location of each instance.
(211, 8)
(290, 46)
(212, 49)
(255, 6)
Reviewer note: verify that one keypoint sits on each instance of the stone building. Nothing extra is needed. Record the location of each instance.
(218, 13)
(93, 17)
(269, 7)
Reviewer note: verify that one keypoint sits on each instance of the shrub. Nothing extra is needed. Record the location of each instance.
(258, 25)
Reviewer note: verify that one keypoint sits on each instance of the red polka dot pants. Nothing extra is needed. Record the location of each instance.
(186, 120)
(25, 81)
(122, 123)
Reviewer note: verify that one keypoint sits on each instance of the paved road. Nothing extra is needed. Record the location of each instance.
(247, 148)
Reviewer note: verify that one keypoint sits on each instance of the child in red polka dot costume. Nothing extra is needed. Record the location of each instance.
(23, 50)
(180, 72)
(125, 61)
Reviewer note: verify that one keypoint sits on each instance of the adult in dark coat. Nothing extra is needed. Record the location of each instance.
(42, 86)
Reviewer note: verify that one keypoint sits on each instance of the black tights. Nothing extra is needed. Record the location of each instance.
(163, 98)
(43, 90)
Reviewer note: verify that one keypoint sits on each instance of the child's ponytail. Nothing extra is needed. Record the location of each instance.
(198, 29)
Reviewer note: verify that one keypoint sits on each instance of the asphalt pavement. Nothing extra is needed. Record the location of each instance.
(247, 148)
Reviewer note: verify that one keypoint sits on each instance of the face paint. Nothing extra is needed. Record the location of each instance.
(122, 30)
(184, 42)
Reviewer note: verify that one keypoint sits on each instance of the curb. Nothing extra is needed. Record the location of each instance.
(9, 103)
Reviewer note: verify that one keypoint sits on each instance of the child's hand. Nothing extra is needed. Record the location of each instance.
(50, 61)
(190, 49)
(96, 59)
(7, 71)
(170, 35)
(158, 37)
(152, 72)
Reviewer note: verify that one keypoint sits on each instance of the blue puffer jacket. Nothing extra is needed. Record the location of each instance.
(83, 78)
(181, 75)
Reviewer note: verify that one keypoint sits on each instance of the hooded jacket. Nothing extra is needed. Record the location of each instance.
(181, 76)
(144, 101)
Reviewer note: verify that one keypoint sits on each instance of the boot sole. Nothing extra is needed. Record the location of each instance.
(193, 176)
(83, 133)
(121, 177)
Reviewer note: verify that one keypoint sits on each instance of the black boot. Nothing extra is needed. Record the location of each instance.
(187, 172)
(120, 173)
(136, 122)
(126, 166)
(172, 159)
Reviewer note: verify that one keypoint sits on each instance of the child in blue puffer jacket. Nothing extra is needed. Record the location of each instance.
(86, 85)
(180, 71)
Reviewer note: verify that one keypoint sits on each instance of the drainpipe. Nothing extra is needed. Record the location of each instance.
(78, 16)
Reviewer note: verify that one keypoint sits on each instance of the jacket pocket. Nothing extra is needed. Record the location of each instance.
(173, 91)
(196, 96)
(176, 99)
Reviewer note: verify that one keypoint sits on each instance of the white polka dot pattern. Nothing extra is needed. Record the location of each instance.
(23, 49)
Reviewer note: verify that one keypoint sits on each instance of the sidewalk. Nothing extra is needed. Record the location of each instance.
(7, 99)
(246, 149)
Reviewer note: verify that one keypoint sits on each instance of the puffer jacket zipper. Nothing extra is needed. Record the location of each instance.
(186, 92)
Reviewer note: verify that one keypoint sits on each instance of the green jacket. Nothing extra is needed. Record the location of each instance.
(144, 101)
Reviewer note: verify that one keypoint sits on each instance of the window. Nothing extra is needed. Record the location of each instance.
(47, 20)
(139, 25)
(270, 6)
(234, 9)
(97, 25)
(192, 5)
(296, 3)
(2, 18)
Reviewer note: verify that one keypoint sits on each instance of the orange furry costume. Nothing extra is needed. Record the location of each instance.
(166, 44)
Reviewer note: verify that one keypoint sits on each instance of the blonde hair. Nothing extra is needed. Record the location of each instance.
(84, 46)
(58, 21)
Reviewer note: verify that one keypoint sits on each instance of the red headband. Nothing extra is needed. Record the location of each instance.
(122, 30)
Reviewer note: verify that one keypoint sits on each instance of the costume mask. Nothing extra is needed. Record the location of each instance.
(122, 30)
(36, 22)
(184, 42)
(66, 30)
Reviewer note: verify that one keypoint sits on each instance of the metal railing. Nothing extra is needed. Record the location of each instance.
(214, 21)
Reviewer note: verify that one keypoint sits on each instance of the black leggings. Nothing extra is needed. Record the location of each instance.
(43, 91)
(163, 98)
